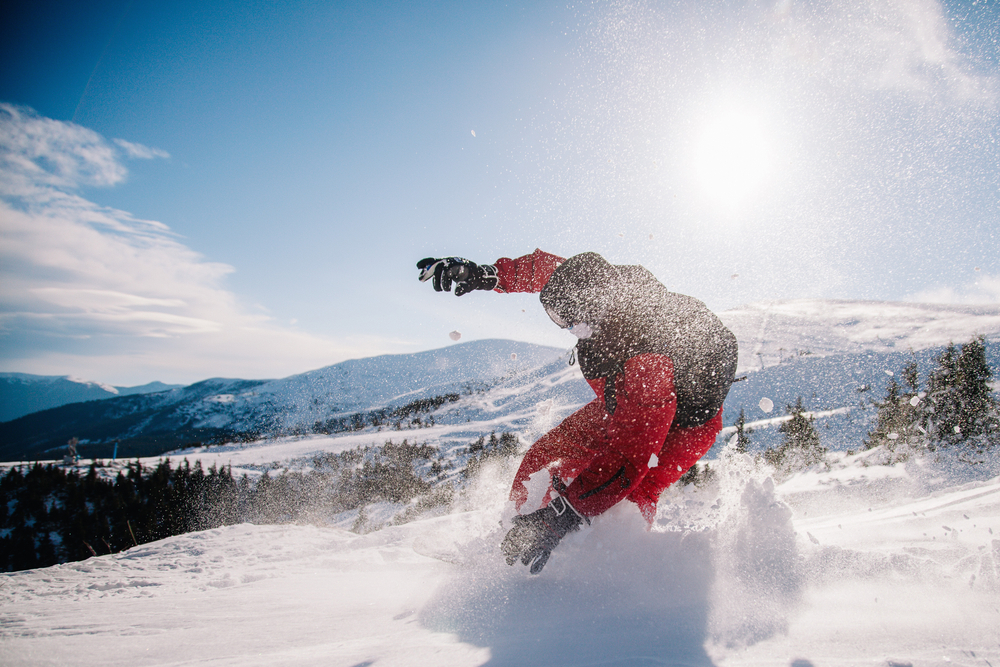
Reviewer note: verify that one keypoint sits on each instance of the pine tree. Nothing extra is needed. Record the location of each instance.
(962, 409)
(900, 414)
(800, 446)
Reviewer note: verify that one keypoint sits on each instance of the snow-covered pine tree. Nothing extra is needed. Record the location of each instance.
(898, 423)
(800, 446)
(962, 410)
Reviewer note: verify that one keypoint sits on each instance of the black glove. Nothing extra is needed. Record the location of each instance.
(535, 535)
(468, 276)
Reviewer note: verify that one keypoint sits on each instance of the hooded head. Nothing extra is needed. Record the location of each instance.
(580, 293)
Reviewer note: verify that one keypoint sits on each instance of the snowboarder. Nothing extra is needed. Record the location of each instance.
(660, 363)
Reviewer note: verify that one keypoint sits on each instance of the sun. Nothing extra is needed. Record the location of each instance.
(732, 161)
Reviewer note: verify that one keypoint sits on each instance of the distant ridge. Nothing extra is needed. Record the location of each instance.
(22, 393)
(222, 408)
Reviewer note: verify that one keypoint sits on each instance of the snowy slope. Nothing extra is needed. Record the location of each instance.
(354, 386)
(738, 573)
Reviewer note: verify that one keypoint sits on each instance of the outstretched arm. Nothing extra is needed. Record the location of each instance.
(528, 273)
(524, 274)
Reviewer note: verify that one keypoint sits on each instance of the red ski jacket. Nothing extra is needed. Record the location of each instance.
(659, 361)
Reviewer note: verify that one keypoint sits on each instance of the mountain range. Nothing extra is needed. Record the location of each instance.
(835, 354)
(23, 393)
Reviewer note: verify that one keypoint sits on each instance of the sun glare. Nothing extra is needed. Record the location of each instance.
(731, 159)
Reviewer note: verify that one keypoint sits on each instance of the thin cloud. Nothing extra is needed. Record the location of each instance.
(94, 291)
(902, 45)
(985, 290)
(140, 152)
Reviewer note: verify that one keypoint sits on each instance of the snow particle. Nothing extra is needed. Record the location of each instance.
(893, 436)
(653, 461)
(473, 133)
(455, 335)
(914, 401)
(766, 404)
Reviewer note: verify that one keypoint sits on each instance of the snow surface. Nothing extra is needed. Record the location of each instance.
(852, 565)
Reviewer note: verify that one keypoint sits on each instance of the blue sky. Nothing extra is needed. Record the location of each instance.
(242, 188)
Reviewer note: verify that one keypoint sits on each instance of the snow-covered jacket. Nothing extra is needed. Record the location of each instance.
(657, 360)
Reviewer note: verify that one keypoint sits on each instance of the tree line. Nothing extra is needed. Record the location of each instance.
(50, 514)
(954, 409)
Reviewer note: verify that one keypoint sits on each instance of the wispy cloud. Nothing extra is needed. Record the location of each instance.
(94, 291)
(902, 45)
(984, 290)
(140, 152)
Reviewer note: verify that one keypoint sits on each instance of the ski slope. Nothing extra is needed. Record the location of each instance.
(852, 565)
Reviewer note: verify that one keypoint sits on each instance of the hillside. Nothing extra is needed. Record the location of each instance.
(772, 332)
(222, 409)
(835, 354)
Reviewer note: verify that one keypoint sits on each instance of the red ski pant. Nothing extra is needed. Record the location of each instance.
(571, 447)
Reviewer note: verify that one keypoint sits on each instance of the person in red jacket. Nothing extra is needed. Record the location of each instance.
(660, 363)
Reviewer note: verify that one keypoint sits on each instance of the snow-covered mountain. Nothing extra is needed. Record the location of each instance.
(320, 400)
(22, 393)
(824, 351)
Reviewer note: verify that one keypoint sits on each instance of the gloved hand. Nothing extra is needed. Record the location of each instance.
(535, 535)
(468, 276)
